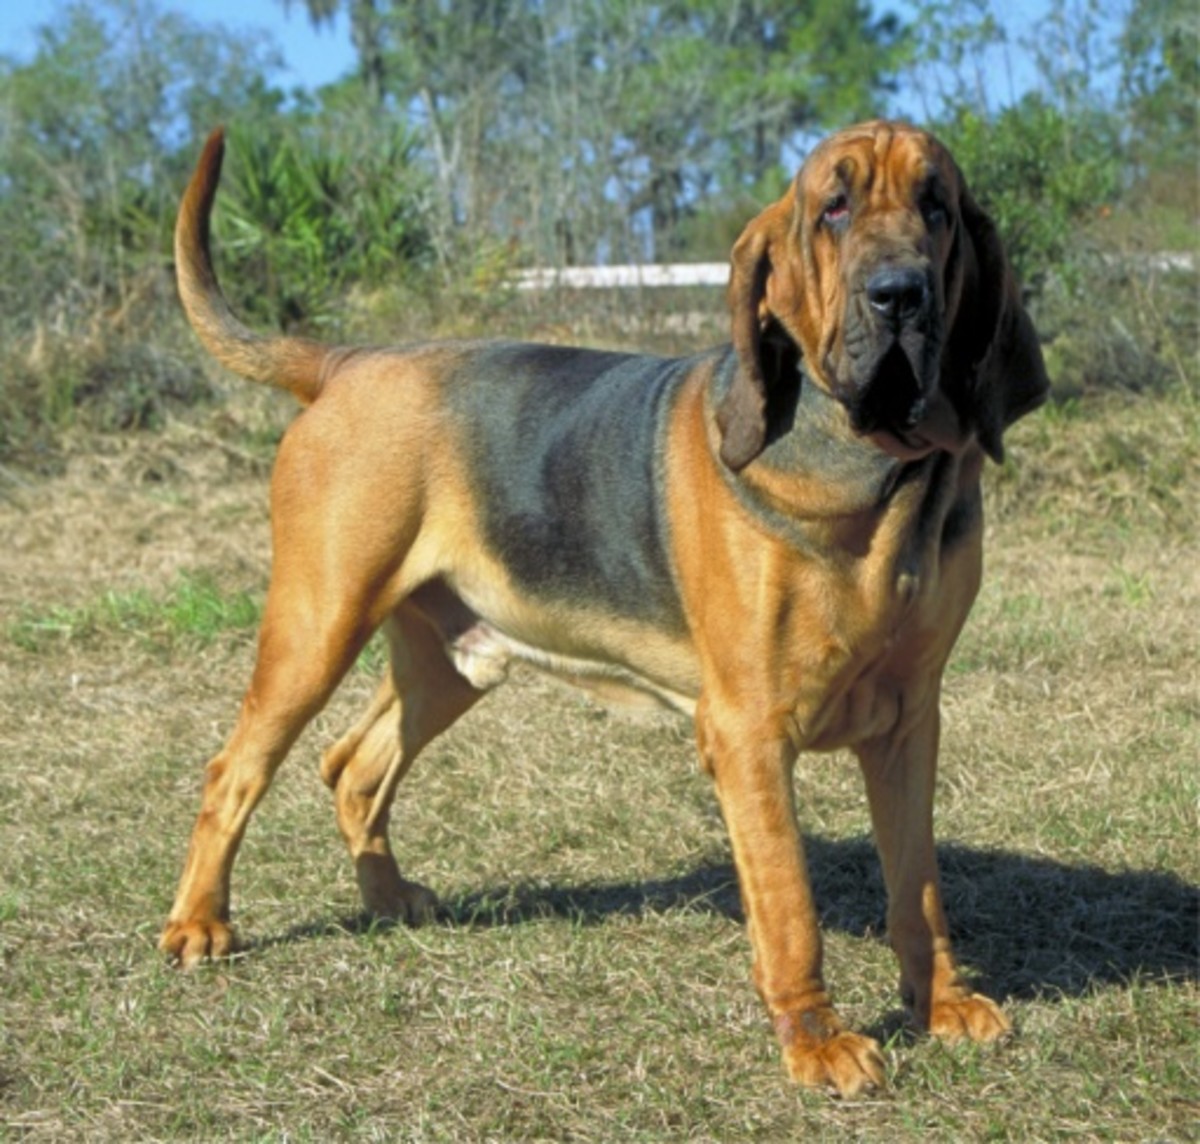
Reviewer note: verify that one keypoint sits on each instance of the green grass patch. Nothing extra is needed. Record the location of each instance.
(194, 610)
(1011, 632)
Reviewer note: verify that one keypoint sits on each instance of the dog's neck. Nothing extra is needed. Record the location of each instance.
(810, 439)
(819, 484)
(816, 474)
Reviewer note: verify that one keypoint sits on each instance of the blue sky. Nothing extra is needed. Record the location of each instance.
(317, 57)
(313, 58)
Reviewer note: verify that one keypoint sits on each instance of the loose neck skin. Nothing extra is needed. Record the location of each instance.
(815, 468)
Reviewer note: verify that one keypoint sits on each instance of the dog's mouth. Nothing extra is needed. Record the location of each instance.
(890, 391)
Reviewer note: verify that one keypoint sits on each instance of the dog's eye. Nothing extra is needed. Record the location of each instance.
(934, 211)
(836, 212)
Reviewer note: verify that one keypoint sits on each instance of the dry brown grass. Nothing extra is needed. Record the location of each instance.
(589, 980)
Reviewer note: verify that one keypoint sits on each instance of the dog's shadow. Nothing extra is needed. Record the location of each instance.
(1027, 926)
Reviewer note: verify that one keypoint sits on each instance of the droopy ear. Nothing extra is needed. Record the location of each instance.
(742, 414)
(1004, 372)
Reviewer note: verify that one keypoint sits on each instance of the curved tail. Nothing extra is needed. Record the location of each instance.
(294, 364)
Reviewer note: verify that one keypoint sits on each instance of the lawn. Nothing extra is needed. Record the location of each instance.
(589, 976)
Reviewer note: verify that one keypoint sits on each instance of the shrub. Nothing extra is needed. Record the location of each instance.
(300, 221)
(1040, 174)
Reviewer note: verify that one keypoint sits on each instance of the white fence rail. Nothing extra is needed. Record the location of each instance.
(612, 277)
(717, 273)
(1162, 262)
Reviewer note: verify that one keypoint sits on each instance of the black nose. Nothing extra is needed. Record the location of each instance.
(898, 294)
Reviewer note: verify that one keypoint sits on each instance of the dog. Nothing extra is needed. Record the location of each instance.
(780, 538)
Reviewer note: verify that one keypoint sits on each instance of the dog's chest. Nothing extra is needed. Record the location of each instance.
(893, 616)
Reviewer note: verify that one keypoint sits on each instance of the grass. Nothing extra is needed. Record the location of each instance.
(588, 979)
(193, 611)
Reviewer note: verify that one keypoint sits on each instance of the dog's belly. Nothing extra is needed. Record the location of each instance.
(483, 654)
(487, 630)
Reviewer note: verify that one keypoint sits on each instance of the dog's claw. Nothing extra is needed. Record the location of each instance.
(187, 944)
(970, 1018)
(850, 1064)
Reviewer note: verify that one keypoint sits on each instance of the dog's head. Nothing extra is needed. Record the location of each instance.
(881, 271)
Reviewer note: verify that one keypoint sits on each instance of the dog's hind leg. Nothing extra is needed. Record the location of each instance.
(302, 657)
(336, 576)
(420, 698)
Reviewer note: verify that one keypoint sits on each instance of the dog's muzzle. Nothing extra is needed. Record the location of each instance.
(893, 347)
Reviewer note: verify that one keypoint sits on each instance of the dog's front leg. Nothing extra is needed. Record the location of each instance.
(751, 764)
(900, 772)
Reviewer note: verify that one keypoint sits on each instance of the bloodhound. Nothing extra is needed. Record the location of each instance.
(780, 537)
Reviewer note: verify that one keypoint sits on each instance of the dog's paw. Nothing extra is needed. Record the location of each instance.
(972, 1017)
(189, 943)
(850, 1064)
(398, 900)
(817, 1052)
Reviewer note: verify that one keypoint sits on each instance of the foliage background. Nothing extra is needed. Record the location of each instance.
(478, 136)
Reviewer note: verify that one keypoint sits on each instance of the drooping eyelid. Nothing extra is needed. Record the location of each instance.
(833, 212)
(933, 197)
(844, 179)
(838, 190)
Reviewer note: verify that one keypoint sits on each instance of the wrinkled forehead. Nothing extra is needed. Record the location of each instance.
(886, 159)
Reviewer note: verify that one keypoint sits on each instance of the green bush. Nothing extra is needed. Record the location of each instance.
(302, 219)
(1119, 322)
(1040, 173)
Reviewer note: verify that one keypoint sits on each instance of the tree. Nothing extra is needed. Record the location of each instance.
(366, 34)
(593, 128)
(91, 144)
(1160, 82)
(951, 49)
